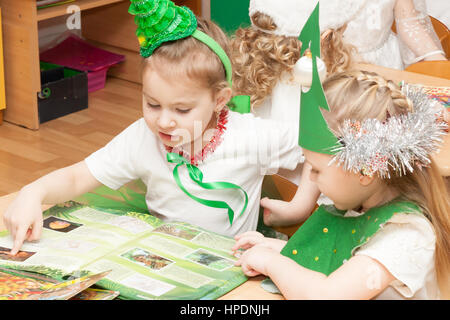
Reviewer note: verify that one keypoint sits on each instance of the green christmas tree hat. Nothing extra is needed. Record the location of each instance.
(159, 21)
(314, 134)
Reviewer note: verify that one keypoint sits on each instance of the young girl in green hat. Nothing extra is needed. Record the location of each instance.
(202, 161)
(387, 236)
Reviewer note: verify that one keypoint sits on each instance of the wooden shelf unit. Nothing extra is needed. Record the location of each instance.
(61, 10)
(105, 23)
(2, 77)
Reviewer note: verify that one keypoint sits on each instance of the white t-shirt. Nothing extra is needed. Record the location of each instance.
(406, 247)
(251, 148)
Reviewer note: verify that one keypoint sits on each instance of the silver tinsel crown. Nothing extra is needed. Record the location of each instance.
(398, 144)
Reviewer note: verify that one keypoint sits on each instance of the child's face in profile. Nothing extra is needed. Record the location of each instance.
(177, 111)
(344, 188)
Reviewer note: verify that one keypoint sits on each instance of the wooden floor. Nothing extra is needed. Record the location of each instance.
(26, 155)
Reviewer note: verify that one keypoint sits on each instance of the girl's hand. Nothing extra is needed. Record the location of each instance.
(247, 240)
(250, 239)
(279, 213)
(23, 219)
(255, 260)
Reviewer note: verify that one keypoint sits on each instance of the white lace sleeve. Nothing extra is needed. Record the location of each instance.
(406, 247)
(416, 34)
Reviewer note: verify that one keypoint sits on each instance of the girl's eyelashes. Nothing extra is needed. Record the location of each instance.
(183, 110)
(152, 106)
(179, 110)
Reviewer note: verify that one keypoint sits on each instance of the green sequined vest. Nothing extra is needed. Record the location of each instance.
(327, 239)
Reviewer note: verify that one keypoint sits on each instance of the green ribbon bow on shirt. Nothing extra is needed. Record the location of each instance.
(197, 176)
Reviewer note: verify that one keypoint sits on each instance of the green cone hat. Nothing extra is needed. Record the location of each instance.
(160, 21)
(314, 133)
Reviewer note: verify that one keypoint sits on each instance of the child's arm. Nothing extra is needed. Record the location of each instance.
(416, 32)
(282, 213)
(23, 217)
(361, 277)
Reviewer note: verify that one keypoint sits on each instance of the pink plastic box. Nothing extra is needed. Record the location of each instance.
(77, 54)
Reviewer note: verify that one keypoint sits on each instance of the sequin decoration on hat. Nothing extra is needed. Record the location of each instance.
(399, 145)
(159, 21)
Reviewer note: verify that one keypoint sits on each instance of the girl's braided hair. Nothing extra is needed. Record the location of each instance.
(359, 95)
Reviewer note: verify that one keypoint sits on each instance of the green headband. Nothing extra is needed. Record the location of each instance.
(214, 46)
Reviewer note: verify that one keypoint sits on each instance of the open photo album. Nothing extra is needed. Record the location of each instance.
(146, 258)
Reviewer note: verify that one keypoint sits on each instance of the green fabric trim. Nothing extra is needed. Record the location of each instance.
(328, 238)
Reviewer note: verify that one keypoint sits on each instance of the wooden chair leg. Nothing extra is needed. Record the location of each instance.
(1, 117)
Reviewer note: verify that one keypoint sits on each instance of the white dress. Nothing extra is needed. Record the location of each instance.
(370, 32)
(405, 246)
(251, 148)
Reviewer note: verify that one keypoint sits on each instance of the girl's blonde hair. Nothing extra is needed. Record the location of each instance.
(359, 95)
(260, 58)
(192, 58)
